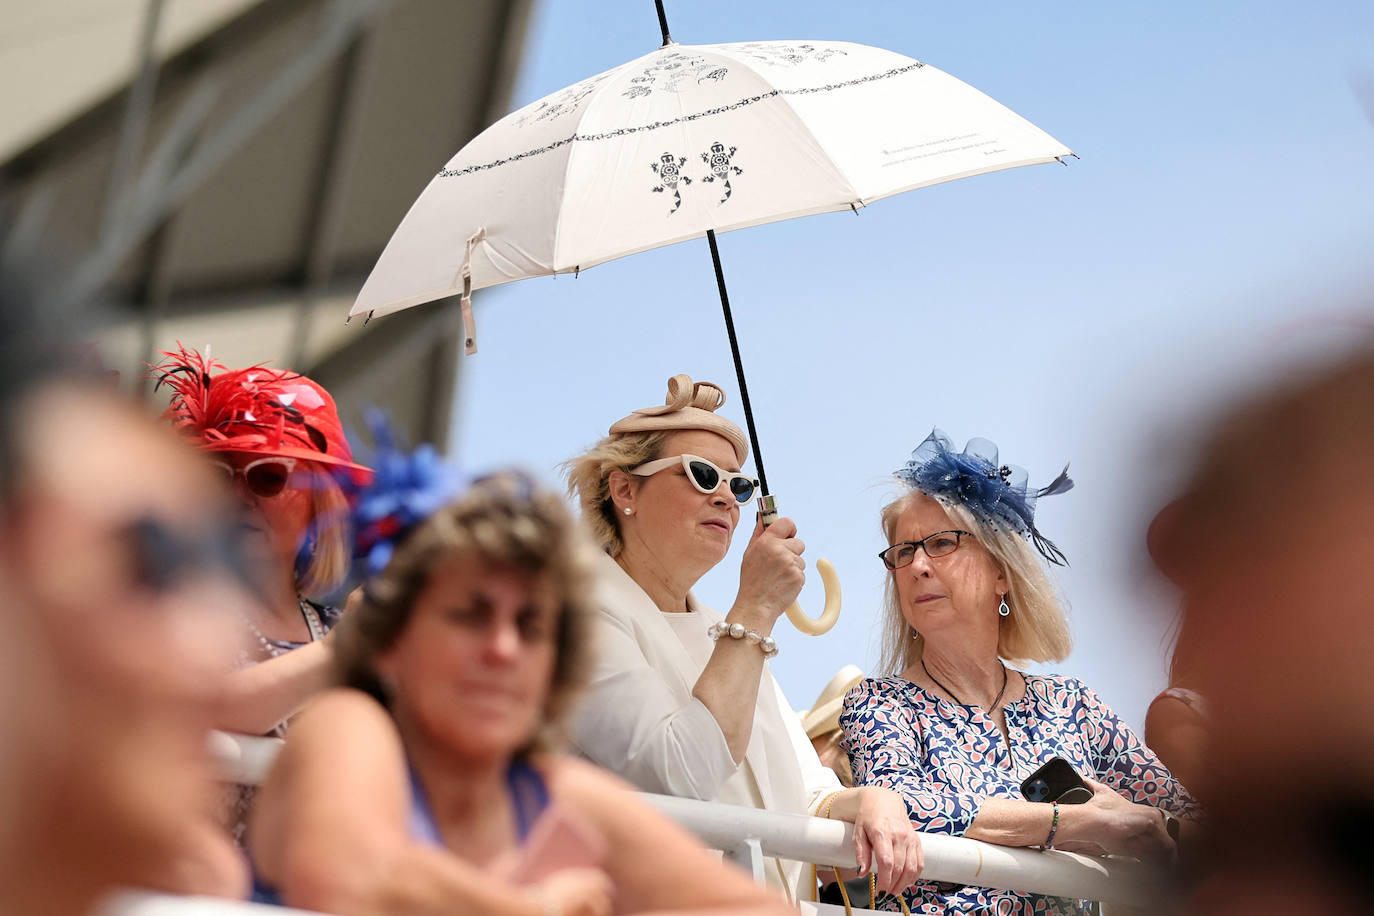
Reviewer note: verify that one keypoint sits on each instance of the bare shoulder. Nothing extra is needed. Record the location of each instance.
(1168, 711)
(342, 746)
(340, 725)
(341, 707)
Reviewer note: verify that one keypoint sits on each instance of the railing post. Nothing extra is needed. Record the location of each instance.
(748, 855)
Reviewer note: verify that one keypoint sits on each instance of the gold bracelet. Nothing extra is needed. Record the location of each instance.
(824, 806)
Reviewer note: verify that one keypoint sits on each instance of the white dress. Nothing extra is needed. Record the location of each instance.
(640, 720)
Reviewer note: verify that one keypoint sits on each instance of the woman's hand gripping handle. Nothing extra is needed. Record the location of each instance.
(768, 513)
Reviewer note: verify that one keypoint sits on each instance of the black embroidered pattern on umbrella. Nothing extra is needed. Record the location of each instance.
(718, 158)
(685, 119)
(669, 171)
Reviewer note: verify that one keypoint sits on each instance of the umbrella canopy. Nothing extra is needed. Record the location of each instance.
(687, 139)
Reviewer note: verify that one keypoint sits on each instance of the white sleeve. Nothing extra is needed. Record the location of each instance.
(630, 722)
(818, 780)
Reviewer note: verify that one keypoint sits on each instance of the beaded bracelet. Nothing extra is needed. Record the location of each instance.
(738, 631)
(1054, 827)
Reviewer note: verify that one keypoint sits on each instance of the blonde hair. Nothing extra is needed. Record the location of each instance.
(508, 521)
(1036, 630)
(589, 480)
(329, 537)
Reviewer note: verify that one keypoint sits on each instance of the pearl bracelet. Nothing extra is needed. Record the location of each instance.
(737, 631)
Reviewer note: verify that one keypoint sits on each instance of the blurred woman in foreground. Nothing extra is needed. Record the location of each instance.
(1177, 725)
(956, 730)
(1271, 544)
(458, 664)
(118, 575)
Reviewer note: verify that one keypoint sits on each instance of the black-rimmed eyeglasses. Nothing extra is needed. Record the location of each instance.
(939, 544)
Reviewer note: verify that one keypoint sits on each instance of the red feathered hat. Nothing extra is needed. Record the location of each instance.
(257, 411)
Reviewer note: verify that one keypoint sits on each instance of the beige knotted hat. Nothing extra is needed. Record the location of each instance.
(824, 716)
(689, 405)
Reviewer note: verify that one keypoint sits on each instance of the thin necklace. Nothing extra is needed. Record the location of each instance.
(995, 701)
(274, 647)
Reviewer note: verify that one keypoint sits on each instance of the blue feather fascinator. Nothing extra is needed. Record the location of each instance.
(407, 488)
(998, 493)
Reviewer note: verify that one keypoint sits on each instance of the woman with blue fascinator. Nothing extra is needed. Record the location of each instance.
(962, 735)
(429, 782)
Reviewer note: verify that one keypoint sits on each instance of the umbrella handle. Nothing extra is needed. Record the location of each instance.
(830, 613)
(768, 508)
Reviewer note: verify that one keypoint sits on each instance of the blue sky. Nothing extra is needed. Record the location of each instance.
(1212, 236)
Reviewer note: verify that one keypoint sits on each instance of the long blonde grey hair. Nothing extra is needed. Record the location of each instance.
(1036, 630)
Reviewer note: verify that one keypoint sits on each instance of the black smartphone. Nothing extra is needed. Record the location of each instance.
(1056, 781)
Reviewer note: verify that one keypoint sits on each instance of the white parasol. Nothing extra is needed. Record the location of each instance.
(688, 141)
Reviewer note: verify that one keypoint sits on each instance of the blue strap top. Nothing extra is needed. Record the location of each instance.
(527, 791)
(529, 795)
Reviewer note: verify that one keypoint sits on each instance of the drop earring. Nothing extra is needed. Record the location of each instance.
(1003, 609)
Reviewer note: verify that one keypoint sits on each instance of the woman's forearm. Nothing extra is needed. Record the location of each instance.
(843, 805)
(1109, 824)
(729, 684)
(415, 881)
(256, 698)
(1008, 822)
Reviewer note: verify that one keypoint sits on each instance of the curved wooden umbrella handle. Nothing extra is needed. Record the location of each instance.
(831, 612)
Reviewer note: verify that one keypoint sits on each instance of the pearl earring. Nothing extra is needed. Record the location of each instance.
(629, 511)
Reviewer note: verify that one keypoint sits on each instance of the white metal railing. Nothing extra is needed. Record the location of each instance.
(143, 903)
(746, 835)
(244, 759)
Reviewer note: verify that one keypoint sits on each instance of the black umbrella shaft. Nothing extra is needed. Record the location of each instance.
(734, 352)
(663, 23)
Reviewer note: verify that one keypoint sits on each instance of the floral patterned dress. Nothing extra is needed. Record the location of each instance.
(944, 759)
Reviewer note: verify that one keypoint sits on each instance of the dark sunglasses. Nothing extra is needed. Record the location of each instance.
(265, 477)
(163, 557)
(704, 475)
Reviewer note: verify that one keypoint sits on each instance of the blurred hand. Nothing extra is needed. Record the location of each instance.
(351, 603)
(1113, 825)
(354, 599)
(575, 892)
(884, 836)
(772, 573)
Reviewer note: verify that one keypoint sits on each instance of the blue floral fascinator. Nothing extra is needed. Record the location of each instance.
(996, 492)
(408, 487)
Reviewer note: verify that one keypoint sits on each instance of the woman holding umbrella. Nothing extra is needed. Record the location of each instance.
(957, 731)
(682, 702)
